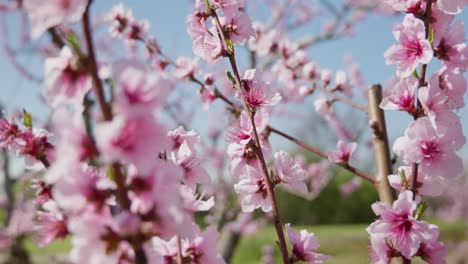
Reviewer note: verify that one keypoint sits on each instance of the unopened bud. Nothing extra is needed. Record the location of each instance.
(374, 124)
(209, 79)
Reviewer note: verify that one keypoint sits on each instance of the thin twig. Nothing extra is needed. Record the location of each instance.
(422, 82)
(180, 259)
(343, 100)
(322, 154)
(258, 150)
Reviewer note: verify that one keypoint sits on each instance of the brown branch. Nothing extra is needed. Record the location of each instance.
(422, 82)
(180, 259)
(271, 193)
(7, 186)
(380, 143)
(98, 89)
(258, 149)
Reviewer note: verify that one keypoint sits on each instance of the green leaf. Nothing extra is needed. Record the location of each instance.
(27, 119)
(420, 210)
(230, 45)
(415, 74)
(208, 5)
(404, 181)
(74, 43)
(110, 173)
(431, 34)
(230, 77)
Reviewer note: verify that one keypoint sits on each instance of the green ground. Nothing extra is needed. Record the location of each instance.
(346, 243)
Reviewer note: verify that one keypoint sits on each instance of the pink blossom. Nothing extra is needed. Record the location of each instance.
(43, 191)
(433, 252)
(451, 6)
(94, 240)
(252, 189)
(185, 67)
(229, 7)
(84, 188)
(137, 30)
(440, 23)
(166, 249)
(400, 96)
(196, 24)
(137, 139)
(399, 227)
(127, 223)
(156, 195)
(47, 14)
(425, 185)
(355, 75)
(50, 224)
(181, 136)
(342, 84)
(451, 48)
(199, 249)
(193, 172)
(34, 144)
(9, 131)
(144, 188)
(192, 203)
(265, 42)
(343, 152)
(254, 91)
(379, 251)
(409, 6)
(350, 186)
(322, 106)
(433, 149)
(72, 144)
(137, 88)
(208, 45)
(290, 172)
(120, 17)
(432, 99)
(65, 81)
(207, 97)
(413, 47)
(310, 71)
(240, 156)
(241, 131)
(453, 85)
(326, 76)
(239, 28)
(304, 245)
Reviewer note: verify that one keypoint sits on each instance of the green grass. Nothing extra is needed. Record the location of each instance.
(345, 243)
(58, 247)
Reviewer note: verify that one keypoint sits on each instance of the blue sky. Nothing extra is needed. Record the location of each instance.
(167, 19)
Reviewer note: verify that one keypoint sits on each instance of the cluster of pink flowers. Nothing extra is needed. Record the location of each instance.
(34, 144)
(122, 184)
(428, 148)
(127, 187)
(248, 147)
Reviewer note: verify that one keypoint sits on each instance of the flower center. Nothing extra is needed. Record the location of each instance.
(429, 149)
(262, 188)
